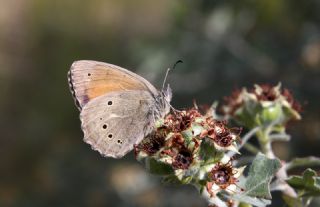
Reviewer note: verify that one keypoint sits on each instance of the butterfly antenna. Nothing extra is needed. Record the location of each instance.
(168, 70)
(195, 105)
(176, 63)
(165, 78)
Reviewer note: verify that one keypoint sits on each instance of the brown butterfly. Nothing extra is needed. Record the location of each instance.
(118, 107)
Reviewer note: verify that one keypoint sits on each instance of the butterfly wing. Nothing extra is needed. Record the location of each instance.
(114, 122)
(90, 79)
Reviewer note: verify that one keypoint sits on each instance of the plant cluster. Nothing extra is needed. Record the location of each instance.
(188, 147)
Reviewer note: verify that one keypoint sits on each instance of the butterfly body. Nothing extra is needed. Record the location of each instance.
(118, 107)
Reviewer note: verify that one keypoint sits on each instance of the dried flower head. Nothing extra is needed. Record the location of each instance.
(222, 136)
(151, 144)
(188, 147)
(182, 160)
(265, 92)
(292, 102)
(180, 121)
(223, 177)
(232, 102)
(261, 105)
(181, 156)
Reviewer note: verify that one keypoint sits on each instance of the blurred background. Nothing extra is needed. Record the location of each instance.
(224, 45)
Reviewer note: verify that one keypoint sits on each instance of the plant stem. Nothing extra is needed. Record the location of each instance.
(303, 162)
(245, 139)
(280, 137)
(265, 143)
(281, 175)
(251, 148)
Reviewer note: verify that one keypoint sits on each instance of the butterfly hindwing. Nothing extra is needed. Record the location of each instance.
(114, 122)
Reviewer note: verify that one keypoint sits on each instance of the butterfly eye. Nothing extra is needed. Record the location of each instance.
(89, 74)
(109, 103)
(104, 126)
(110, 136)
(119, 141)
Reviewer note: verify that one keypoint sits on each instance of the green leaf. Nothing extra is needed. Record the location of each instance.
(246, 115)
(292, 202)
(244, 205)
(308, 184)
(186, 180)
(208, 152)
(158, 168)
(257, 184)
(187, 135)
(260, 174)
(172, 180)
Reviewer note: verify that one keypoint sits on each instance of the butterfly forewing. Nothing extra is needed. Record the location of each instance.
(90, 79)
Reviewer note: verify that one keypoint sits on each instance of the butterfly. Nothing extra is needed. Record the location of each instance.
(118, 108)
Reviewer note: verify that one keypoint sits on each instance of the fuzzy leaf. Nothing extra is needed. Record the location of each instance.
(259, 202)
(308, 184)
(260, 174)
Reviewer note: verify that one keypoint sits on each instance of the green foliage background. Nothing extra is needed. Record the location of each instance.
(224, 44)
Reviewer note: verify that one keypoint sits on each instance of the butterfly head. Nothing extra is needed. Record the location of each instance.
(162, 106)
(167, 94)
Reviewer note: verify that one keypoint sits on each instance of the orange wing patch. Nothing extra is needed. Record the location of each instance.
(88, 80)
